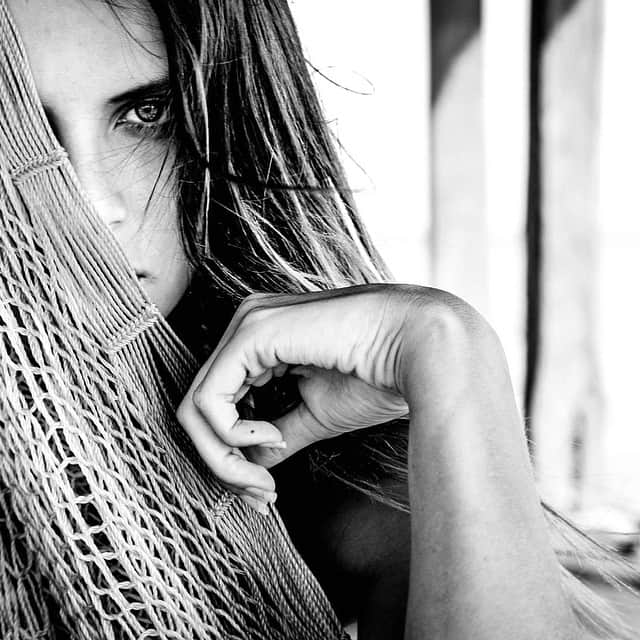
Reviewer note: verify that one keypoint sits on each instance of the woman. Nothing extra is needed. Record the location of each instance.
(194, 130)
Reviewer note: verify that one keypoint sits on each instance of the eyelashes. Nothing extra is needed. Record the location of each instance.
(149, 118)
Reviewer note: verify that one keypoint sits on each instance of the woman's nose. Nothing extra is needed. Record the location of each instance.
(102, 190)
(100, 177)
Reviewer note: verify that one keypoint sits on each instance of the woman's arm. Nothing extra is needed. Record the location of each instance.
(480, 559)
(481, 562)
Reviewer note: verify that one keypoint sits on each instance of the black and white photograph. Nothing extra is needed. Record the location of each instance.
(319, 320)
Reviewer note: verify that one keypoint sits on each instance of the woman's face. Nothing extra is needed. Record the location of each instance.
(103, 82)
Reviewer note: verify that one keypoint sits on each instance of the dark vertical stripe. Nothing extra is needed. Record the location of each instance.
(534, 216)
(545, 16)
(452, 24)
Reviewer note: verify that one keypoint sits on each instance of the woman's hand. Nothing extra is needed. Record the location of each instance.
(352, 349)
(480, 551)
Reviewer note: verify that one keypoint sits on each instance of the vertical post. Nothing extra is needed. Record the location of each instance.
(458, 223)
(564, 390)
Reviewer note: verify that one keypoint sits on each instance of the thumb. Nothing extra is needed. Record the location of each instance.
(299, 429)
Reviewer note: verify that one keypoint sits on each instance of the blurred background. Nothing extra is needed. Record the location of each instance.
(492, 146)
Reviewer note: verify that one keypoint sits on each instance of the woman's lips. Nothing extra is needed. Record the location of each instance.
(144, 275)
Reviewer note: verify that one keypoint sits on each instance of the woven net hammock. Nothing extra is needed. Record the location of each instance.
(111, 525)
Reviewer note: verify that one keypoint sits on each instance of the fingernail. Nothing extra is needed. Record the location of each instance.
(256, 505)
(261, 507)
(265, 496)
(274, 445)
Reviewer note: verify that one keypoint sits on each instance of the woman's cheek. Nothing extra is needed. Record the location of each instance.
(170, 274)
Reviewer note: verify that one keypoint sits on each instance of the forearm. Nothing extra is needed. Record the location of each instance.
(481, 563)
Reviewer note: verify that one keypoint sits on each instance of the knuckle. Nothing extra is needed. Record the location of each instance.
(246, 304)
(199, 398)
(256, 315)
(182, 412)
(255, 307)
(251, 301)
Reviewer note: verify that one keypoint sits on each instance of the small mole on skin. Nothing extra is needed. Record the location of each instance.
(253, 430)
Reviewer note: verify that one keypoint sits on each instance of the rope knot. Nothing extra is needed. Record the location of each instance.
(38, 164)
(145, 319)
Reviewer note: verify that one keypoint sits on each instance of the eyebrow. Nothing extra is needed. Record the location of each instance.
(156, 87)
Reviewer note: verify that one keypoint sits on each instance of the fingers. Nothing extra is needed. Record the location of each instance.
(247, 355)
(257, 499)
(299, 429)
(226, 461)
(247, 359)
(244, 357)
(209, 415)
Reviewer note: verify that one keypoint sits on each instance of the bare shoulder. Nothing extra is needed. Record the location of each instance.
(358, 549)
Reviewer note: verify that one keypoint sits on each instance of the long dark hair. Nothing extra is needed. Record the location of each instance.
(264, 207)
(264, 204)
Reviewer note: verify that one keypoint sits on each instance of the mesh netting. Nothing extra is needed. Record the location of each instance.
(111, 525)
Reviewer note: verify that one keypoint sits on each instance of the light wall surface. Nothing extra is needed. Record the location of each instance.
(382, 119)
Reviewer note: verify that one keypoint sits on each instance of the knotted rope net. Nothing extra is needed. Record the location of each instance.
(111, 525)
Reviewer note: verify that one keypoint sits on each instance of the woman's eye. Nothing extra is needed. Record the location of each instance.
(149, 117)
(150, 112)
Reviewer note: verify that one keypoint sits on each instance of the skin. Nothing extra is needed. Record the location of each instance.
(474, 559)
(117, 155)
(478, 540)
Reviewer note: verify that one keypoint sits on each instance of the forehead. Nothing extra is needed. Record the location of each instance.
(85, 49)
